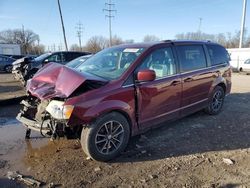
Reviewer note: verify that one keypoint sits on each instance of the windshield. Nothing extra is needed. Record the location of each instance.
(41, 57)
(110, 63)
(78, 61)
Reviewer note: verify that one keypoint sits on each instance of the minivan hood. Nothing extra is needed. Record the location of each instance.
(55, 80)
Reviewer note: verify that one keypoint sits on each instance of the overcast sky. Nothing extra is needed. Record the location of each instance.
(134, 18)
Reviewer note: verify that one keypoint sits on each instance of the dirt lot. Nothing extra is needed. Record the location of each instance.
(9, 87)
(185, 153)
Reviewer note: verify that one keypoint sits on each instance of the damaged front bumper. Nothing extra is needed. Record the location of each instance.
(32, 124)
(34, 116)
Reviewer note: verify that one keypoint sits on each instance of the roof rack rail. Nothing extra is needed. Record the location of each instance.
(167, 41)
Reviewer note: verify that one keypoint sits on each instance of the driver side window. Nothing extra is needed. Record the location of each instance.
(161, 61)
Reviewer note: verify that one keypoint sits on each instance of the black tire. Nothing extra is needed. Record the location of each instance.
(216, 101)
(8, 68)
(100, 140)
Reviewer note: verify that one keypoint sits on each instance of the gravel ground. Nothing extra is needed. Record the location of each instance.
(195, 151)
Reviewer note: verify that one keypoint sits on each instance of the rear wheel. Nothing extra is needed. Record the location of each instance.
(216, 101)
(107, 137)
(8, 68)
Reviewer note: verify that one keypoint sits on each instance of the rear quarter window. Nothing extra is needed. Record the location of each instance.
(191, 57)
(218, 54)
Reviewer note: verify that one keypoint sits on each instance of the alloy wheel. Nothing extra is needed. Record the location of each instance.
(109, 137)
(217, 100)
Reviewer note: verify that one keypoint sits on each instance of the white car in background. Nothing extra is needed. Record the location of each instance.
(245, 67)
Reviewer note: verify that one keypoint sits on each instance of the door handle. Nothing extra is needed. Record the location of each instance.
(189, 79)
(175, 82)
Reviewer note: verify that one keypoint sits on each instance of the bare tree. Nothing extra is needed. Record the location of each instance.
(37, 49)
(116, 40)
(75, 47)
(150, 38)
(129, 41)
(96, 44)
(26, 38)
(228, 40)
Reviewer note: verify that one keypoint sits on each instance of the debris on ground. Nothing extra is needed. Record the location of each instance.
(153, 176)
(3, 163)
(30, 181)
(143, 138)
(97, 169)
(228, 161)
(88, 158)
(138, 146)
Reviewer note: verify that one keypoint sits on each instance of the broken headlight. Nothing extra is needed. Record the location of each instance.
(58, 110)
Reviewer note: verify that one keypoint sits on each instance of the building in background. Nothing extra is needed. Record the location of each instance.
(10, 49)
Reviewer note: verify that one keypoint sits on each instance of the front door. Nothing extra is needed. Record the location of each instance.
(159, 100)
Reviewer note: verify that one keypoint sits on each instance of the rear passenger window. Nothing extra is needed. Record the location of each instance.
(192, 57)
(218, 54)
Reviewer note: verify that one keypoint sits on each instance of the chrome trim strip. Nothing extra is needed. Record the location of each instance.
(128, 85)
(178, 74)
(203, 68)
(194, 104)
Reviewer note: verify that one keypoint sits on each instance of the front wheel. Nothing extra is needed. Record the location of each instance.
(107, 137)
(216, 101)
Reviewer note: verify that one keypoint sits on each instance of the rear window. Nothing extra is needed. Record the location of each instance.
(192, 57)
(218, 54)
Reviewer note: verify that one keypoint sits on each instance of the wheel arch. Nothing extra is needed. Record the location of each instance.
(223, 85)
(116, 110)
(123, 113)
(90, 115)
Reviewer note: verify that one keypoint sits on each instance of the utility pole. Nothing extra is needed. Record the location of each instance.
(200, 22)
(79, 32)
(64, 35)
(243, 23)
(199, 29)
(24, 47)
(109, 10)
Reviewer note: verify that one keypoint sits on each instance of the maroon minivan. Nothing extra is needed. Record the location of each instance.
(125, 90)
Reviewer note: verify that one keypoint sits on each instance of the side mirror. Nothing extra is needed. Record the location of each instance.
(45, 62)
(146, 75)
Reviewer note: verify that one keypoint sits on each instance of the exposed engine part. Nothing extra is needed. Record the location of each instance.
(41, 110)
(35, 117)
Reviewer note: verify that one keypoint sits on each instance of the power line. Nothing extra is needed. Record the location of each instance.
(64, 35)
(243, 23)
(109, 14)
(79, 31)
